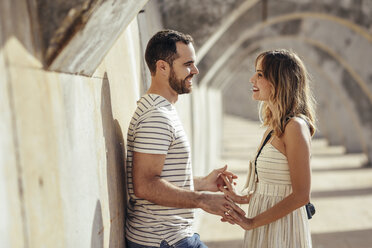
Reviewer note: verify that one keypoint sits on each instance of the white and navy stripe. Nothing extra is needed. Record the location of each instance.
(269, 157)
(156, 129)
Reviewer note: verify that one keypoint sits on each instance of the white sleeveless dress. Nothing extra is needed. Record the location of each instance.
(291, 231)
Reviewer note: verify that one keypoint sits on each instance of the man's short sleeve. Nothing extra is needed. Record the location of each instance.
(154, 134)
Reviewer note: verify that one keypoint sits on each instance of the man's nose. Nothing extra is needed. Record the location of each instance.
(195, 70)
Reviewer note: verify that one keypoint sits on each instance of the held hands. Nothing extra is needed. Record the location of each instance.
(216, 203)
(234, 214)
(214, 179)
(224, 205)
(229, 191)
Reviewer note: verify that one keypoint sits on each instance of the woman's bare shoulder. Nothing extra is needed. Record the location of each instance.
(295, 129)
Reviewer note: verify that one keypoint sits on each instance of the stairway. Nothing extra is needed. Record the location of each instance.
(341, 191)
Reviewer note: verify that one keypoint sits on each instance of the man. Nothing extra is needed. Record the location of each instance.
(162, 190)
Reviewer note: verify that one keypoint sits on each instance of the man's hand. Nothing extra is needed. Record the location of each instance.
(213, 180)
(216, 203)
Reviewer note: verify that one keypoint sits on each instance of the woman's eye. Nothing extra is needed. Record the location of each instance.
(259, 74)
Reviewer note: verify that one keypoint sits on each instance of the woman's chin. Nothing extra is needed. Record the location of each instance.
(255, 97)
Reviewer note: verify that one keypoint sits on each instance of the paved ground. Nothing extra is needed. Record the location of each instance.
(341, 192)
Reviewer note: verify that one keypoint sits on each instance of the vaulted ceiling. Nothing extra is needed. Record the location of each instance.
(333, 37)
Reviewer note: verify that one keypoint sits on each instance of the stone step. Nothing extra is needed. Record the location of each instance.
(341, 191)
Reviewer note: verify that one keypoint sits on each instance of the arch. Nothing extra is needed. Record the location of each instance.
(249, 3)
(251, 32)
(236, 14)
(224, 82)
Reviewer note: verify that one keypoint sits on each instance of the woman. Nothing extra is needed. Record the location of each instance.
(279, 184)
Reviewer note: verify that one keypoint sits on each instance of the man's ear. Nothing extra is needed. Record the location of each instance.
(162, 66)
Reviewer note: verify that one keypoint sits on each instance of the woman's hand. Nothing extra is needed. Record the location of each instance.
(235, 215)
(230, 193)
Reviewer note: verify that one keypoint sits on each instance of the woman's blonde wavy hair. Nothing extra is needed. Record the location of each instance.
(290, 91)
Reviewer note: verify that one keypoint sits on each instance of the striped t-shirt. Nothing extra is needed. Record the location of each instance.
(156, 129)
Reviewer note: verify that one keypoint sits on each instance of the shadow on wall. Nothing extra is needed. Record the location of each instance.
(115, 158)
(15, 23)
(97, 230)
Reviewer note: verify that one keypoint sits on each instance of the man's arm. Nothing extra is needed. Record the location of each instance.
(149, 185)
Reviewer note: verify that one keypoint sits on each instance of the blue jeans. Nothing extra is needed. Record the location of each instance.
(191, 242)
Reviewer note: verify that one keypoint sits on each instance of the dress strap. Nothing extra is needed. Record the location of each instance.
(259, 152)
(250, 184)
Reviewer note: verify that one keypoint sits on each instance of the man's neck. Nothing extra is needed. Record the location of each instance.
(161, 90)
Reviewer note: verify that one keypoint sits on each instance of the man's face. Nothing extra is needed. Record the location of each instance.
(183, 69)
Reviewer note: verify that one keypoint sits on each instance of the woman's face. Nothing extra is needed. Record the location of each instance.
(261, 86)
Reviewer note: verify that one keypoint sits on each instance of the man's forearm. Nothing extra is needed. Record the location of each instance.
(162, 192)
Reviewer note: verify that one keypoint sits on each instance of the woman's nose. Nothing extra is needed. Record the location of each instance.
(252, 79)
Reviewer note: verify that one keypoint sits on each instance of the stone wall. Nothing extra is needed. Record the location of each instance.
(62, 146)
(64, 118)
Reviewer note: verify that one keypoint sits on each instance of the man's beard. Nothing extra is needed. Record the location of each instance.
(178, 85)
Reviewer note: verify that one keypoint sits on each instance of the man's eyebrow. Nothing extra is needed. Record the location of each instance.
(189, 62)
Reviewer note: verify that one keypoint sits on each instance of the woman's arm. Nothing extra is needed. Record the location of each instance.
(296, 139)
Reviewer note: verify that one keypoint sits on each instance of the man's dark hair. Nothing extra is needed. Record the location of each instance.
(162, 46)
